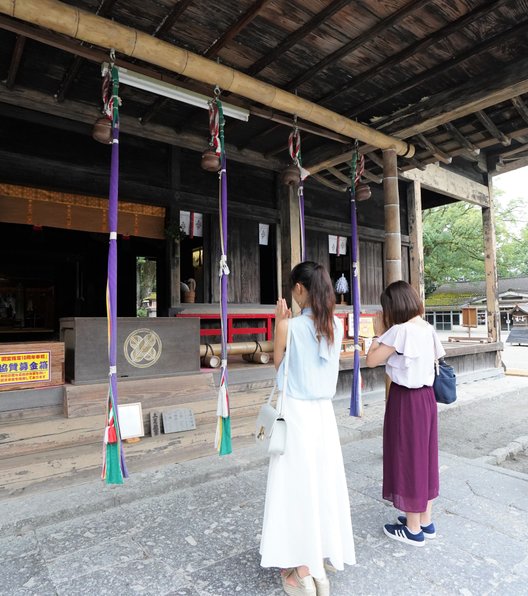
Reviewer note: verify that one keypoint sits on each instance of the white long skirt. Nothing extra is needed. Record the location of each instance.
(307, 510)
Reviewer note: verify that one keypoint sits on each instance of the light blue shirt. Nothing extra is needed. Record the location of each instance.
(314, 365)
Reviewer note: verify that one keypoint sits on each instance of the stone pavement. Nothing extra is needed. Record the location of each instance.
(193, 529)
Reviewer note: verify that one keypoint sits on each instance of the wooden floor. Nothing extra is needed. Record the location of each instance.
(39, 453)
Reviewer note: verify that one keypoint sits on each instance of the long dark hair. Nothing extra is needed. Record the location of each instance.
(315, 279)
(400, 303)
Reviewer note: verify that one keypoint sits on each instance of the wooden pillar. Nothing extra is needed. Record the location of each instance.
(173, 224)
(490, 264)
(416, 252)
(392, 268)
(290, 236)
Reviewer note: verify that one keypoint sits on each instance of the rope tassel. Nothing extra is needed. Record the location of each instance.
(114, 466)
(356, 169)
(223, 426)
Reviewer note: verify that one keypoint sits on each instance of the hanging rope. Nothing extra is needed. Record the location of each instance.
(357, 165)
(294, 147)
(216, 128)
(114, 466)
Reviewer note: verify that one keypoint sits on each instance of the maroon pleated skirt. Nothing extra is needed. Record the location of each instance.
(410, 448)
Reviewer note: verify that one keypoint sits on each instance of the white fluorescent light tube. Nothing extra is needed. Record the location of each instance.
(139, 81)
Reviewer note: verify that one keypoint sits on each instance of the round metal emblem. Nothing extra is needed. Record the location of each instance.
(142, 348)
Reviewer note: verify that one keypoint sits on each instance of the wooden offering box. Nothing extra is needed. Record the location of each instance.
(31, 365)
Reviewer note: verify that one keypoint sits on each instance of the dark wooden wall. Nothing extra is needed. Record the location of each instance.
(48, 152)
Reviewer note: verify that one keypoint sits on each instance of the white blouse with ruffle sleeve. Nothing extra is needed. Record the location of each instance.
(417, 347)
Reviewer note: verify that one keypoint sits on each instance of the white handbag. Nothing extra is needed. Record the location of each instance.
(270, 431)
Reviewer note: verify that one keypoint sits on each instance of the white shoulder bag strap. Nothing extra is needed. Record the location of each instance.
(285, 378)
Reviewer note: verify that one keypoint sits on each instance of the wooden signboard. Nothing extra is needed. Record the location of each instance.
(31, 365)
(469, 316)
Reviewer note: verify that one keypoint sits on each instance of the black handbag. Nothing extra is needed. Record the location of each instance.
(444, 385)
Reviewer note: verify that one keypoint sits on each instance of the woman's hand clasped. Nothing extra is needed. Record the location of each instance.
(282, 311)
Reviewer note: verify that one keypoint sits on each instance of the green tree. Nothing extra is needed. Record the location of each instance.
(453, 242)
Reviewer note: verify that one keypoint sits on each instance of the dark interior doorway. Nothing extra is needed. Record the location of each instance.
(50, 273)
(340, 265)
(268, 269)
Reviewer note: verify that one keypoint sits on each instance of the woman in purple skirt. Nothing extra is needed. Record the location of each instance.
(409, 346)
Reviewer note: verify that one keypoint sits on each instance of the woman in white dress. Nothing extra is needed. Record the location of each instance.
(307, 510)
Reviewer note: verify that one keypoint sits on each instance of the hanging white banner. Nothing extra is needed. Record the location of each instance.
(263, 234)
(332, 244)
(342, 245)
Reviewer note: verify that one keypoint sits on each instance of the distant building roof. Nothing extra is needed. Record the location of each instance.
(463, 292)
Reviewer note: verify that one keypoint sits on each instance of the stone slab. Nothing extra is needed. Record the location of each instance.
(178, 420)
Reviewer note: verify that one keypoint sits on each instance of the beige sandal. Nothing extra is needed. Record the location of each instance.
(322, 586)
(305, 585)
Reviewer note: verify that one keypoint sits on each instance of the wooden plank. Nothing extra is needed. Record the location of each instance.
(139, 45)
(297, 35)
(370, 271)
(41, 102)
(72, 464)
(14, 416)
(357, 42)
(420, 46)
(501, 38)
(450, 184)
(82, 400)
(490, 126)
(477, 94)
(52, 435)
(15, 61)
(235, 28)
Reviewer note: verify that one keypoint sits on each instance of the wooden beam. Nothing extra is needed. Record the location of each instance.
(372, 177)
(90, 28)
(212, 51)
(356, 43)
(330, 162)
(414, 163)
(290, 234)
(473, 150)
(418, 47)
(490, 126)
(315, 22)
(391, 202)
(105, 8)
(515, 151)
(163, 28)
(344, 178)
(236, 28)
(490, 264)
(168, 22)
(514, 165)
(15, 61)
(322, 180)
(261, 135)
(436, 151)
(521, 108)
(285, 121)
(416, 249)
(499, 39)
(80, 112)
(340, 175)
(474, 96)
(477, 94)
(450, 184)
